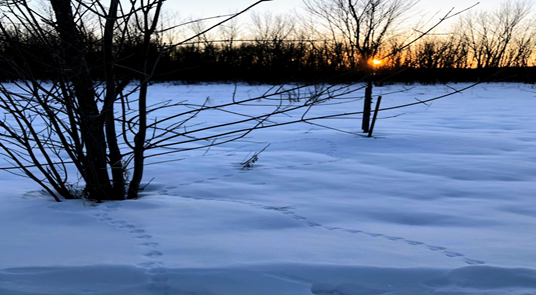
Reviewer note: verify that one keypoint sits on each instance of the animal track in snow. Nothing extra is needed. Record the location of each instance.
(127, 226)
(153, 254)
(452, 254)
(353, 231)
(155, 269)
(435, 248)
(286, 211)
(394, 238)
(312, 224)
(149, 244)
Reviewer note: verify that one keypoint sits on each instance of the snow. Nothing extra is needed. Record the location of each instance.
(441, 201)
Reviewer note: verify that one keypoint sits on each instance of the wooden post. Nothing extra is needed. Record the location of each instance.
(375, 115)
(367, 106)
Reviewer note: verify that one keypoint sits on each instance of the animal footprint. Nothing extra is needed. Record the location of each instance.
(452, 254)
(153, 254)
(149, 244)
(127, 226)
(353, 231)
(137, 231)
(414, 243)
(394, 238)
(435, 248)
(144, 237)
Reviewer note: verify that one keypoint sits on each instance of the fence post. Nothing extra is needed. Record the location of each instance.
(375, 115)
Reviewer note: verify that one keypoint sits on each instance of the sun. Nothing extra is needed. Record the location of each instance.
(376, 62)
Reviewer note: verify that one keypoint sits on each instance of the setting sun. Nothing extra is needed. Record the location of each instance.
(376, 62)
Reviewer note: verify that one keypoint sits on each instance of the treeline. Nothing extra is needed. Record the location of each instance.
(496, 45)
(278, 61)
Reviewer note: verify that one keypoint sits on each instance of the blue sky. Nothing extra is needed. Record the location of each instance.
(217, 7)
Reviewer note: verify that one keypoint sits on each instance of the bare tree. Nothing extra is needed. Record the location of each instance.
(501, 37)
(77, 111)
(88, 129)
(268, 27)
(363, 25)
(230, 32)
(440, 51)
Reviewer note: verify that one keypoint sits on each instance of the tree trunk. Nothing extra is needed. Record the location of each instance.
(141, 136)
(116, 158)
(76, 72)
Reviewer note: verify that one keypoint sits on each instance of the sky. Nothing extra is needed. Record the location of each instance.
(216, 7)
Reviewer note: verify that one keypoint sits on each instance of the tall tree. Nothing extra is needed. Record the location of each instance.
(364, 26)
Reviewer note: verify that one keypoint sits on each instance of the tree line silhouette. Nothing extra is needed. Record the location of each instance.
(276, 49)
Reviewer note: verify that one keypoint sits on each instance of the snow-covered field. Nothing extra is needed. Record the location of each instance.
(442, 201)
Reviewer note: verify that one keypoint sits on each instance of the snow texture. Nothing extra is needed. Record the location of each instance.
(441, 201)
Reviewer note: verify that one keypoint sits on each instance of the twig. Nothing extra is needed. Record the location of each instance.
(248, 163)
